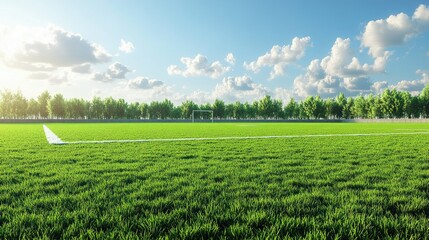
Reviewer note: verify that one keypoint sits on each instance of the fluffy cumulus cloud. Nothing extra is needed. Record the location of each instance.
(47, 48)
(144, 83)
(115, 71)
(126, 47)
(283, 94)
(395, 30)
(240, 88)
(198, 66)
(341, 71)
(342, 62)
(338, 72)
(230, 58)
(280, 56)
(378, 87)
(413, 86)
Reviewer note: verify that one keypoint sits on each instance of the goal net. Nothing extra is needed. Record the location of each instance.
(201, 115)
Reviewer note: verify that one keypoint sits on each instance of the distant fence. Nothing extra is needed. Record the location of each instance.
(155, 120)
(398, 120)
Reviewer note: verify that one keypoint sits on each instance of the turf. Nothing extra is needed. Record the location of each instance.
(334, 187)
(119, 131)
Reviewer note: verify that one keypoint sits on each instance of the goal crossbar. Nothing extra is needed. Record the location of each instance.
(207, 111)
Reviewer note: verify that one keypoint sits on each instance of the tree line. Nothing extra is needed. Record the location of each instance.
(389, 104)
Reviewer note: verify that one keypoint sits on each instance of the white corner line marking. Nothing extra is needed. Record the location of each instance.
(51, 137)
(238, 138)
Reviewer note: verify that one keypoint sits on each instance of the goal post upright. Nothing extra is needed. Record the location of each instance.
(207, 111)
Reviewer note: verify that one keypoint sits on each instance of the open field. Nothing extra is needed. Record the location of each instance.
(345, 187)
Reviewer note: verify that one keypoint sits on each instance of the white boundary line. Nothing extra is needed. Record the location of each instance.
(54, 139)
(51, 137)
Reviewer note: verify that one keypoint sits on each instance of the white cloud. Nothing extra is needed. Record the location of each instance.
(395, 30)
(317, 83)
(240, 88)
(230, 58)
(59, 78)
(341, 71)
(115, 71)
(54, 78)
(47, 48)
(378, 87)
(39, 75)
(342, 62)
(83, 68)
(198, 66)
(126, 47)
(421, 15)
(338, 72)
(144, 83)
(413, 86)
(283, 94)
(280, 56)
(199, 97)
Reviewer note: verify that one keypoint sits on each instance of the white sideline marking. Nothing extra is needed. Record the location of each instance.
(238, 138)
(51, 137)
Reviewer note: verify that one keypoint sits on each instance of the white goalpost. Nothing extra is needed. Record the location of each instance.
(204, 111)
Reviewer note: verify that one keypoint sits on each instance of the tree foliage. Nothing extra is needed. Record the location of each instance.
(391, 103)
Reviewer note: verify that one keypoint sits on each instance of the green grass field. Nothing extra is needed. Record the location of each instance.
(348, 187)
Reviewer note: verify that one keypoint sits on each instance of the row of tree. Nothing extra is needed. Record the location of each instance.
(389, 104)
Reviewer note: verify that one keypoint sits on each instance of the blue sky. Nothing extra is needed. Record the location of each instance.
(178, 49)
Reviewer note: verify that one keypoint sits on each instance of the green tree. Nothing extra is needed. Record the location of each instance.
(57, 106)
(238, 110)
(407, 100)
(265, 107)
(416, 108)
(278, 109)
(33, 108)
(76, 108)
(341, 102)
(387, 103)
(424, 101)
(398, 104)
(187, 107)
(375, 106)
(6, 106)
(250, 110)
(43, 100)
(109, 108)
(302, 111)
(331, 107)
(97, 108)
(19, 105)
(292, 109)
(347, 109)
(360, 109)
(133, 111)
(229, 110)
(218, 109)
(144, 110)
(309, 107)
(121, 108)
(320, 108)
(176, 113)
(166, 109)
